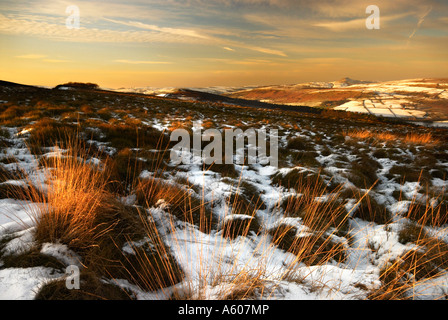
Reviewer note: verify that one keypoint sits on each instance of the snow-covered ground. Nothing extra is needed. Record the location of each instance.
(389, 108)
(209, 260)
(207, 257)
(393, 99)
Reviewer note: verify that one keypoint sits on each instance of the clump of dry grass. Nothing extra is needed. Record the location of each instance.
(318, 208)
(358, 134)
(224, 169)
(79, 210)
(246, 285)
(364, 134)
(407, 173)
(300, 143)
(413, 138)
(311, 249)
(363, 172)
(147, 262)
(132, 135)
(75, 196)
(411, 232)
(317, 214)
(420, 138)
(178, 200)
(100, 231)
(413, 272)
(323, 213)
(386, 136)
(429, 213)
(91, 288)
(47, 132)
(123, 170)
(240, 225)
(300, 179)
(422, 267)
(368, 209)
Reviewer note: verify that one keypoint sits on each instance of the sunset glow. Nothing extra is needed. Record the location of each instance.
(220, 42)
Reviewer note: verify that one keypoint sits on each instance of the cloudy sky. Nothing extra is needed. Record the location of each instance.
(220, 42)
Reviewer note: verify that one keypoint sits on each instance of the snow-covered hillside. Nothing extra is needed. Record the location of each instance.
(412, 99)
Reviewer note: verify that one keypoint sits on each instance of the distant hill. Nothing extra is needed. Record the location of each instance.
(77, 85)
(415, 99)
(346, 82)
(12, 84)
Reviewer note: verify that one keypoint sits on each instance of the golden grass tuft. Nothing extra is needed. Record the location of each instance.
(414, 273)
(178, 200)
(75, 196)
(420, 138)
(364, 134)
(79, 210)
(358, 134)
(412, 138)
(324, 214)
(319, 208)
(385, 136)
(429, 214)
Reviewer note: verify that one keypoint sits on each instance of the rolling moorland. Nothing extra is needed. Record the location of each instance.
(357, 208)
(410, 99)
(416, 99)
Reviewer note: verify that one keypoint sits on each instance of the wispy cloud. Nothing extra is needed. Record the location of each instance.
(41, 57)
(170, 31)
(141, 62)
(37, 27)
(353, 24)
(419, 23)
(266, 50)
(137, 33)
(194, 34)
(243, 62)
(342, 26)
(264, 36)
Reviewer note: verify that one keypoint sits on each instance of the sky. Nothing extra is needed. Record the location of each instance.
(199, 43)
